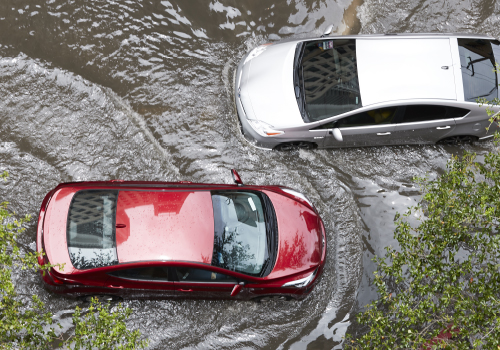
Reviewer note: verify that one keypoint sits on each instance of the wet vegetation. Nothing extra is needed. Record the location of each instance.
(26, 323)
(441, 287)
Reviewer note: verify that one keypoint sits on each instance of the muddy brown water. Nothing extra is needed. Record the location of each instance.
(141, 90)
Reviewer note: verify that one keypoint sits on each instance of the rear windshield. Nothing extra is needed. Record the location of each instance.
(328, 78)
(477, 61)
(242, 241)
(91, 229)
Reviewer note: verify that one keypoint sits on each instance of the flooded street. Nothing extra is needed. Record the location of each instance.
(142, 90)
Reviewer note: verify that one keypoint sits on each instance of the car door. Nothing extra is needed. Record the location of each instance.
(368, 128)
(424, 124)
(143, 282)
(200, 283)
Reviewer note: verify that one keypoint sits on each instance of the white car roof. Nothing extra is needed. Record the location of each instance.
(399, 68)
(391, 68)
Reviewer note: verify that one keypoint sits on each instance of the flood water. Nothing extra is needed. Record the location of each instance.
(142, 90)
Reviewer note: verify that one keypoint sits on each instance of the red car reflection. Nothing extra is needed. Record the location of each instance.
(124, 239)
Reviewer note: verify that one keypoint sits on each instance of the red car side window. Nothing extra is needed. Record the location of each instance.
(153, 273)
(186, 274)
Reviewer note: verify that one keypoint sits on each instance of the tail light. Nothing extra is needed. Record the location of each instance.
(55, 279)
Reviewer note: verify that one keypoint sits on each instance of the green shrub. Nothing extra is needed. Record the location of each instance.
(27, 324)
(446, 272)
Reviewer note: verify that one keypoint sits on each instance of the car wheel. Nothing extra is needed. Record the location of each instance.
(100, 297)
(290, 146)
(458, 140)
(269, 298)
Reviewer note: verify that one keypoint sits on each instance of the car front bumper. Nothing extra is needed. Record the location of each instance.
(248, 132)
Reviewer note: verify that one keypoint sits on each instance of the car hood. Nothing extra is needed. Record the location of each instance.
(266, 85)
(299, 245)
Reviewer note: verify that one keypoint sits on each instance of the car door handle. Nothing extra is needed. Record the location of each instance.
(443, 127)
(116, 287)
(185, 290)
(383, 133)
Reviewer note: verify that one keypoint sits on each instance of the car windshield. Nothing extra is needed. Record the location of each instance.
(91, 229)
(241, 241)
(477, 61)
(327, 76)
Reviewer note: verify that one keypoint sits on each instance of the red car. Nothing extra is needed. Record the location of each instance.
(127, 239)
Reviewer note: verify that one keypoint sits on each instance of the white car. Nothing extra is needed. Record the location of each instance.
(367, 90)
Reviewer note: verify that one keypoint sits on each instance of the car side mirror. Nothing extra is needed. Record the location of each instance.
(237, 288)
(327, 31)
(337, 134)
(236, 177)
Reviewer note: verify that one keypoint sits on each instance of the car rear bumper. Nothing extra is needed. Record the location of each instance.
(39, 232)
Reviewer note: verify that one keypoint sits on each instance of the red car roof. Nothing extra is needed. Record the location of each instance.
(174, 225)
(166, 225)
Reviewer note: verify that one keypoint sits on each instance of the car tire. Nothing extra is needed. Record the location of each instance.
(290, 146)
(268, 298)
(102, 298)
(458, 140)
